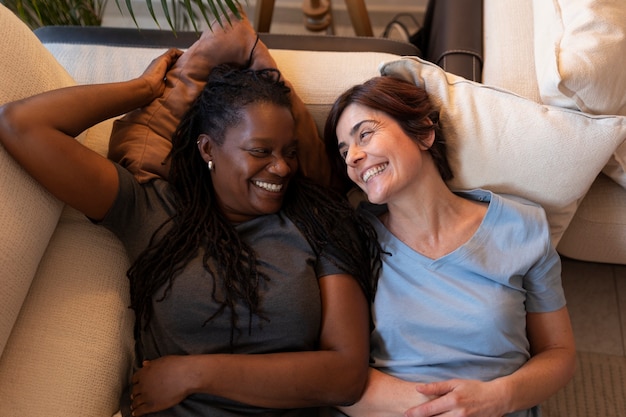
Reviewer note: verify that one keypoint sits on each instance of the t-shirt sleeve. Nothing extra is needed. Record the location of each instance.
(133, 217)
(543, 281)
(333, 259)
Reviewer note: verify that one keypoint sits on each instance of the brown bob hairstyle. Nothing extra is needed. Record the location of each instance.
(406, 103)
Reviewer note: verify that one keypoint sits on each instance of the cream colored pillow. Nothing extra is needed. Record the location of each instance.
(580, 59)
(509, 144)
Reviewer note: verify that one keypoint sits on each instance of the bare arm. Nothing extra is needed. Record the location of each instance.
(549, 369)
(38, 132)
(385, 396)
(334, 374)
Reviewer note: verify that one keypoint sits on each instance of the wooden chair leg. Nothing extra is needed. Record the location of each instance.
(263, 13)
(359, 17)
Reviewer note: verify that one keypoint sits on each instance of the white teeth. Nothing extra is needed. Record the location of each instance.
(269, 186)
(372, 172)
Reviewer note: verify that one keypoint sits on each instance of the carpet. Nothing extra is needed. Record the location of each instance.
(598, 389)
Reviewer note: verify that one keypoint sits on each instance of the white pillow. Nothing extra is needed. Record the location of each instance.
(509, 144)
(580, 59)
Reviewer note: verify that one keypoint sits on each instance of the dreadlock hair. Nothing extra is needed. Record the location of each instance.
(198, 223)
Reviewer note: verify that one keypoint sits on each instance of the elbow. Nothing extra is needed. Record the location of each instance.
(351, 388)
(5, 124)
(9, 122)
(571, 365)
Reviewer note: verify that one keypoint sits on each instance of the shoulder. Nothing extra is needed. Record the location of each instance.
(514, 218)
(508, 203)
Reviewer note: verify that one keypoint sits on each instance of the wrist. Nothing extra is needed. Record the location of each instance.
(504, 391)
(198, 376)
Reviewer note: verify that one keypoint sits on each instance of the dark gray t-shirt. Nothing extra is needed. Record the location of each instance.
(290, 299)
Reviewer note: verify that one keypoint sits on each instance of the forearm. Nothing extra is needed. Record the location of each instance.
(277, 380)
(73, 109)
(552, 362)
(540, 378)
(385, 396)
(38, 132)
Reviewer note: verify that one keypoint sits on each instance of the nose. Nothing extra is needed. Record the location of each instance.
(354, 155)
(280, 167)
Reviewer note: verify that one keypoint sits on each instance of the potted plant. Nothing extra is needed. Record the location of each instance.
(36, 13)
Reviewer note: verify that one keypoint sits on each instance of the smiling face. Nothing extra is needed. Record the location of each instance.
(380, 157)
(253, 166)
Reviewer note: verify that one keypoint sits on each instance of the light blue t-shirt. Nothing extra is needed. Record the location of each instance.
(464, 315)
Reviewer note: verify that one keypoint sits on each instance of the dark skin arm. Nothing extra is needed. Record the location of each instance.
(335, 374)
(38, 132)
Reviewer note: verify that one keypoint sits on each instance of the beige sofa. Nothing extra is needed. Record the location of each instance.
(65, 329)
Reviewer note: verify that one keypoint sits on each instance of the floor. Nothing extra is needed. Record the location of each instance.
(596, 297)
(596, 293)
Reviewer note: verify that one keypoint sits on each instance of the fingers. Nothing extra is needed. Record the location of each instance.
(434, 388)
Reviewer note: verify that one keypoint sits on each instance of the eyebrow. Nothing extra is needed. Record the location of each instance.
(355, 128)
(358, 125)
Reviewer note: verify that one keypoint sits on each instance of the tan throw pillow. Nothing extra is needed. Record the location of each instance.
(509, 144)
(580, 57)
(141, 140)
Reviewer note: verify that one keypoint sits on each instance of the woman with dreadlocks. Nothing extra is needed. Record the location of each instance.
(250, 283)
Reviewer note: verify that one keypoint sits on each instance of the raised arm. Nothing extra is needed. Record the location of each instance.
(39, 131)
(334, 374)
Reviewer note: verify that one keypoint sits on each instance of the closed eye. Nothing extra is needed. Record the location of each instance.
(259, 152)
(343, 152)
(292, 152)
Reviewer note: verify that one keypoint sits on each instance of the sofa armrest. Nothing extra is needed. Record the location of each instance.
(452, 36)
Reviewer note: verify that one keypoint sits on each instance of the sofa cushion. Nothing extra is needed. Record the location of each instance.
(28, 213)
(580, 56)
(509, 144)
(71, 348)
(593, 219)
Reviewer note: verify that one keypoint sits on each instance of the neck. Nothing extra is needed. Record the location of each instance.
(435, 222)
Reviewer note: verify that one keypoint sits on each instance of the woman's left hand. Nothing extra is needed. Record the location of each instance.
(160, 384)
(458, 397)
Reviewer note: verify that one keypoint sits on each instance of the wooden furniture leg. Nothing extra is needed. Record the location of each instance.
(359, 17)
(263, 13)
(356, 9)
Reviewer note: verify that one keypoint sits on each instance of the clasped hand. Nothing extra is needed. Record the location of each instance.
(459, 398)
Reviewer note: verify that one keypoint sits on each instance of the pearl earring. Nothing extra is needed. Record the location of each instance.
(210, 165)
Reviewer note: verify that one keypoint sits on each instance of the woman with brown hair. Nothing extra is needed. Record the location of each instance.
(469, 312)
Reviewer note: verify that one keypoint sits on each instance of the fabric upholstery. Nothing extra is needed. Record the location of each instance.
(71, 348)
(580, 56)
(29, 214)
